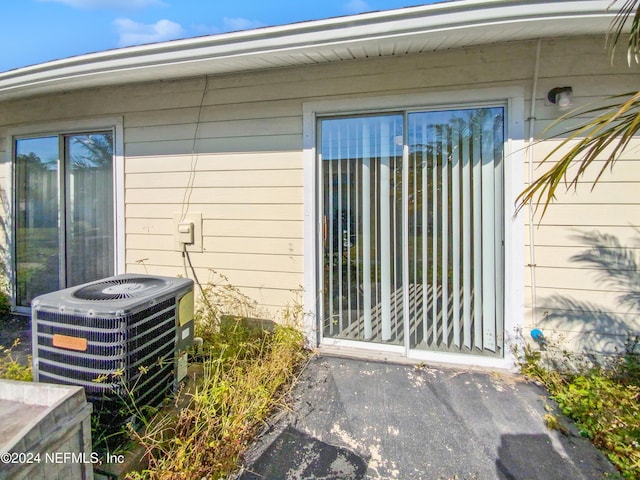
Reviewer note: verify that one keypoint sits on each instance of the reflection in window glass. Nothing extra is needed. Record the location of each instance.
(89, 205)
(362, 211)
(64, 212)
(37, 239)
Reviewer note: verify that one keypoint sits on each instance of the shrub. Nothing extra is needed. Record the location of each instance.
(604, 402)
(10, 368)
(5, 303)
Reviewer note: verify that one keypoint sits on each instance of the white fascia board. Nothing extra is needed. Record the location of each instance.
(248, 50)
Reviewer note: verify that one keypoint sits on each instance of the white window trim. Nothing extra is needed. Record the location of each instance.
(513, 184)
(116, 124)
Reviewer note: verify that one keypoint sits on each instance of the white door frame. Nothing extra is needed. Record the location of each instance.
(514, 154)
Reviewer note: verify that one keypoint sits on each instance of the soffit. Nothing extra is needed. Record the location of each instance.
(404, 31)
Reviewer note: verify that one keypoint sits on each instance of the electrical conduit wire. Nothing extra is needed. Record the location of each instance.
(532, 124)
(186, 257)
(188, 191)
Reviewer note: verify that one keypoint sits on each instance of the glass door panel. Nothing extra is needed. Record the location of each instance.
(37, 197)
(362, 228)
(89, 205)
(455, 229)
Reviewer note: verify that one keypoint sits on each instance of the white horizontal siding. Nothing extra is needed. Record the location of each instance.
(239, 144)
(220, 129)
(245, 177)
(256, 244)
(268, 262)
(559, 236)
(214, 162)
(580, 278)
(243, 195)
(576, 303)
(218, 211)
(217, 179)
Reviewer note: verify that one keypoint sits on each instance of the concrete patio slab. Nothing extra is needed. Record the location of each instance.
(357, 419)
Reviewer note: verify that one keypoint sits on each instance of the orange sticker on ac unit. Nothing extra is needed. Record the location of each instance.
(71, 343)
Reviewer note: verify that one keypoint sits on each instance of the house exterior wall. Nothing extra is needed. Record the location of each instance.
(231, 149)
(578, 302)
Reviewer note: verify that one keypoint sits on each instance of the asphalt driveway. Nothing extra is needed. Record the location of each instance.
(357, 419)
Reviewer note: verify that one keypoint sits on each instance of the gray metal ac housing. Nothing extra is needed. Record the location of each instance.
(120, 337)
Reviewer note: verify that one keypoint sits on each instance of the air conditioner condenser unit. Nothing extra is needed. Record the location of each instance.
(123, 338)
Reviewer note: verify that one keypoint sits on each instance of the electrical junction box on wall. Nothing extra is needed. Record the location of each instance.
(187, 232)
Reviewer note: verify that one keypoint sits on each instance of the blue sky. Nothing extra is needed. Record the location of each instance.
(36, 31)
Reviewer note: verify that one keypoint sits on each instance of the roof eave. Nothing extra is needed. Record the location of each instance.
(425, 28)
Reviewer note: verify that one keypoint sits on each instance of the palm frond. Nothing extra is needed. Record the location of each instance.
(612, 127)
(603, 137)
(628, 10)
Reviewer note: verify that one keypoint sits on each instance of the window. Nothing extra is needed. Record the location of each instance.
(64, 211)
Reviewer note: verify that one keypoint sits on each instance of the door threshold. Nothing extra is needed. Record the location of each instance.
(449, 361)
(366, 354)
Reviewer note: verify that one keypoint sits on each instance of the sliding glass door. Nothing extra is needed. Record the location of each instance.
(64, 220)
(412, 217)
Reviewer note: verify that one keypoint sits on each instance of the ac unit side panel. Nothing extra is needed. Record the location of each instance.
(151, 354)
(116, 383)
(46, 315)
(95, 390)
(184, 336)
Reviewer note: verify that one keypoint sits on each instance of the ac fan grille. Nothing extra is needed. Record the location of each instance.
(118, 288)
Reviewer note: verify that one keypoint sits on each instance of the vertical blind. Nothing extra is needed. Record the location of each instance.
(90, 210)
(362, 235)
(412, 228)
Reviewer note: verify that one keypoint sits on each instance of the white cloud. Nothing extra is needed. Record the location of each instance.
(111, 4)
(238, 23)
(134, 33)
(357, 6)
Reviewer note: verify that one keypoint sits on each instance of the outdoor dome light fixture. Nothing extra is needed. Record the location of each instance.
(561, 96)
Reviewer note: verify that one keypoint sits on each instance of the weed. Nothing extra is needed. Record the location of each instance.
(219, 300)
(553, 422)
(10, 368)
(603, 400)
(121, 411)
(246, 373)
(5, 303)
